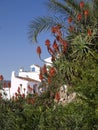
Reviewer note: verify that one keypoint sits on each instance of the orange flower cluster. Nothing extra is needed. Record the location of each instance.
(41, 76)
(30, 89)
(81, 4)
(56, 30)
(57, 96)
(38, 50)
(47, 43)
(46, 74)
(89, 32)
(52, 71)
(80, 17)
(59, 45)
(57, 48)
(21, 95)
(1, 77)
(44, 69)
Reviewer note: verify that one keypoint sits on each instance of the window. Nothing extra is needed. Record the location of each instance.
(33, 69)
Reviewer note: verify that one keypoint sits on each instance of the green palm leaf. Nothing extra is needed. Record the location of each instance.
(41, 24)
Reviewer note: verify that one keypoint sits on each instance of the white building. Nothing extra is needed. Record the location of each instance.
(27, 78)
(24, 80)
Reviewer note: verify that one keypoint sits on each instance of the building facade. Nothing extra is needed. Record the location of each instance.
(27, 79)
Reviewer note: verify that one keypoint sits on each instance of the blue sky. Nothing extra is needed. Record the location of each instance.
(16, 50)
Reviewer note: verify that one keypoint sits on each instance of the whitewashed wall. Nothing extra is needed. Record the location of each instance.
(15, 83)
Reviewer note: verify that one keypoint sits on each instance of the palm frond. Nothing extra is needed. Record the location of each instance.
(63, 7)
(41, 24)
(58, 7)
(74, 5)
(38, 25)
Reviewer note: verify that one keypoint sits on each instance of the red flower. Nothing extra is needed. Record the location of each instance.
(30, 88)
(69, 19)
(79, 17)
(50, 51)
(89, 32)
(57, 96)
(23, 95)
(65, 45)
(86, 12)
(55, 46)
(44, 69)
(9, 84)
(52, 71)
(41, 76)
(16, 94)
(18, 90)
(81, 4)
(55, 29)
(49, 80)
(38, 50)
(47, 43)
(1, 77)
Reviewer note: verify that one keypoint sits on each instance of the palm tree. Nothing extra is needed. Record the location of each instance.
(46, 22)
(60, 11)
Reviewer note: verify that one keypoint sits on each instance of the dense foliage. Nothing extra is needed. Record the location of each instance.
(74, 63)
